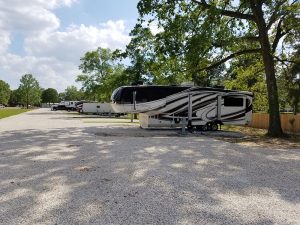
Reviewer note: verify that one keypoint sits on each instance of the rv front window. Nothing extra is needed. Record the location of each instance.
(232, 101)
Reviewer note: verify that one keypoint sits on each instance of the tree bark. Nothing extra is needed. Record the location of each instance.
(269, 66)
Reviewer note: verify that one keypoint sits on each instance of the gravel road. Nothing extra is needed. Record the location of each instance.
(58, 168)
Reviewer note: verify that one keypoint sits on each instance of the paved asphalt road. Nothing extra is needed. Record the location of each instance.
(56, 168)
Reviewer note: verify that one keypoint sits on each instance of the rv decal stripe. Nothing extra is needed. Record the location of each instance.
(194, 95)
(234, 117)
(233, 114)
(203, 104)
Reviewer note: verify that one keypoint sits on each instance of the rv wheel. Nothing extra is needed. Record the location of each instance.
(199, 128)
(214, 127)
(205, 128)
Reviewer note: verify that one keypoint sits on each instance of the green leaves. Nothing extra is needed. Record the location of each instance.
(4, 92)
(49, 95)
(101, 74)
(29, 89)
(73, 94)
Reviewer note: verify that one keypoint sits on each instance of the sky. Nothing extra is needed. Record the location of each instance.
(47, 38)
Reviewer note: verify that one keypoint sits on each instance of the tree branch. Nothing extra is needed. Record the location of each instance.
(234, 14)
(279, 34)
(233, 55)
(284, 60)
(275, 15)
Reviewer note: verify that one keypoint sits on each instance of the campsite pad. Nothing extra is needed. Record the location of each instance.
(161, 132)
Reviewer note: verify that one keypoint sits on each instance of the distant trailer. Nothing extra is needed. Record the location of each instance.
(174, 106)
(71, 105)
(97, 108)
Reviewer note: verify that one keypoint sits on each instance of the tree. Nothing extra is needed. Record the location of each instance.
(247, 74)
(61, 96)
(15, 98)
(101, 74)
(4, 92)
(73, 94)
(95, 65)
(49, 95)
(290, 80)
(30, 91)
(148, 64)
(208, 33)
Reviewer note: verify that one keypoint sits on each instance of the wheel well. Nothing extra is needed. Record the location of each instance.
(218, 122)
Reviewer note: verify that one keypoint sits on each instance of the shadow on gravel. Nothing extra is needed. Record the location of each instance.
(98, 176)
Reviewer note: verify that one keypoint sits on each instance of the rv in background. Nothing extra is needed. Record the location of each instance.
(98, 108)
(64, 105)
(174, 106)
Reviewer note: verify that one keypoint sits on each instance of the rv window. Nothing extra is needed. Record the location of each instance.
(231, 101)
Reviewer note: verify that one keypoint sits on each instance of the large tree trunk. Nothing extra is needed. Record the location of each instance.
(268, 59)
(274, 118)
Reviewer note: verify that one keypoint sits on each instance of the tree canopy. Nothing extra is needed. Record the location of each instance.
(204, 34)
(101, 74)
(29, 90)
(73, 94)
(4, 92)
(49, 95)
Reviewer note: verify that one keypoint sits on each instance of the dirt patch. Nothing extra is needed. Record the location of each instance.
(257, 138)
(284, 143)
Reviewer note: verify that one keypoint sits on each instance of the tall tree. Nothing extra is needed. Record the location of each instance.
(49, 95)
(148, 63)
(208, 33)
(95, 66)
(101, 74)
(29, 90)
(73, 94)
(4, 92)
(290, 79)
(15, 98)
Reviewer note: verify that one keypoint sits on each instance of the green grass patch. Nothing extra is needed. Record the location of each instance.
(6, 112)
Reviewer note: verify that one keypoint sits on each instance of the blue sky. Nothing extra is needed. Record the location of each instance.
(95, 11)
(47, 37)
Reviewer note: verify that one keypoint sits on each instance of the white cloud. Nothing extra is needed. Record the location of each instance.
(51, 54)
(49, 71)
(4, 40)
(28, 16)
(76, 40)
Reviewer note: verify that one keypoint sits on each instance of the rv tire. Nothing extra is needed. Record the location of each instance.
(214, 127)
(199, 127)
(205, 127)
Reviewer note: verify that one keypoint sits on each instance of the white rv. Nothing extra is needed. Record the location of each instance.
(98, 109)
(197, 107)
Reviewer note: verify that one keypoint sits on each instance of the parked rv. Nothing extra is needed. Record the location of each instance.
(65, 105)
(98, 108)
(172, 106)
(71, 105)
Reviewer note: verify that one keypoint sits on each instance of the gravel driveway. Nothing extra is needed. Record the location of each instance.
(57, 168)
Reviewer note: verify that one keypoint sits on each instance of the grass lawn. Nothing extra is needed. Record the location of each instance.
(6, 112)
